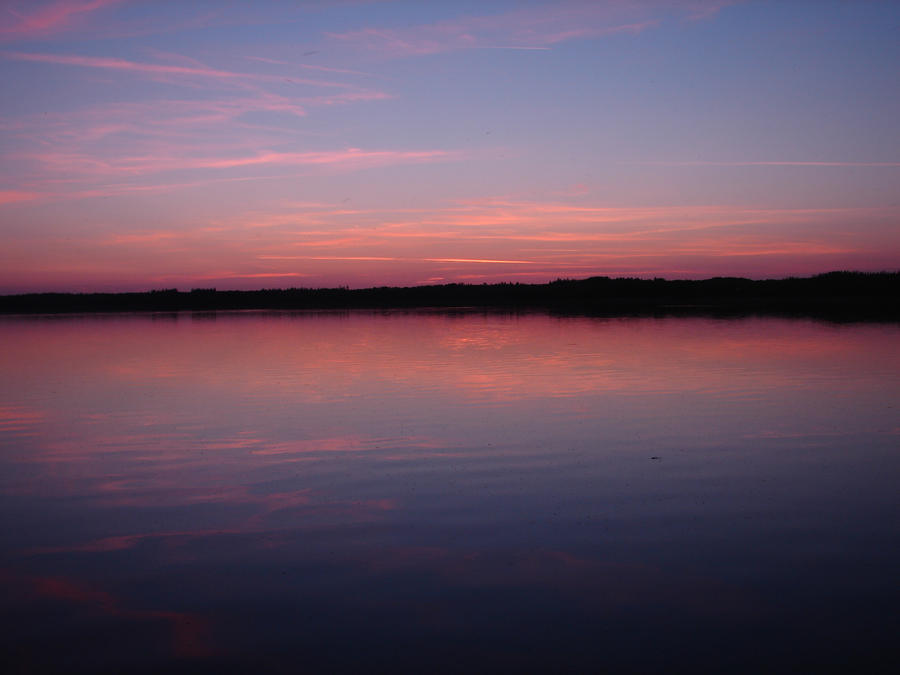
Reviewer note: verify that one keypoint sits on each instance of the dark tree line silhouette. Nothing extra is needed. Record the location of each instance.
(839, 294)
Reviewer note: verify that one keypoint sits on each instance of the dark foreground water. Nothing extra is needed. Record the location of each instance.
(434, 492)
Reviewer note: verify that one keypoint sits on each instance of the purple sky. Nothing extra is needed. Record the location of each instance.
(273, 144)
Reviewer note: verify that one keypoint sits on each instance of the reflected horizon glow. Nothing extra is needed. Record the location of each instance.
(515, 488)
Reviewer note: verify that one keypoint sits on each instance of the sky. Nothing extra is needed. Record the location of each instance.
(240, 145)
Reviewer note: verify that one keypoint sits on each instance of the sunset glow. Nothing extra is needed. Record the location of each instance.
(268, 144)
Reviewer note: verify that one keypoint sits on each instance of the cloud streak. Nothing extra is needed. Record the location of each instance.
(326, 244)
(770, 163)
(125, 162)
(54, 17)
(533, 28)
(479, 261)
(13, 196)
(107, 63)
(143, 165)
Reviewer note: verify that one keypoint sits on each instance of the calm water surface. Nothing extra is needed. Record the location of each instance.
(436, 492)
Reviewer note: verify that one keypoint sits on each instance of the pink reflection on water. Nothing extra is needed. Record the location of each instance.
(178, 409)
(195, 410)
(190, 633)
(124, 542)
(346, 444)
(300, 508)
(336, 357)
(357, 441)
(19, 420)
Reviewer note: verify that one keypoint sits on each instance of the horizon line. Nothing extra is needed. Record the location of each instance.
(455, 283)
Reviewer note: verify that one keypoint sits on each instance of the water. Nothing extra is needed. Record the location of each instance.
(447, 492)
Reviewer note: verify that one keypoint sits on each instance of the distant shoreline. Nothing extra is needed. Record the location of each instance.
(850, 295)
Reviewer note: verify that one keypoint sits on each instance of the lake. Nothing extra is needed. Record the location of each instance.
(448, 492)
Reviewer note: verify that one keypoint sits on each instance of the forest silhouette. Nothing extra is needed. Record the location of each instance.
(852, 295)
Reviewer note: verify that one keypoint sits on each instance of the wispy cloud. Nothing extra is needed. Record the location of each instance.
(481, 261)
(369, 258)
(46, 19)
(595, 236)
(350, 158)
(171, 119)
(257, 275)
(263, 59)
(12, 196)
(328, 244)
(533, 28)
(107, 63)
(769, 163)
(213, 126)
(525, 49)
(435, 39)
(698, 10)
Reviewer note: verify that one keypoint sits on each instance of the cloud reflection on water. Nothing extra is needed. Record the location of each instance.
(264, 483)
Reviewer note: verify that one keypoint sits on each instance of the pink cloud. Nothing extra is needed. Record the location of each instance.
(107, 63)
(526, 29)
(172, 118)
(487, 240)
(480, 261)
(51, 18)
(704, 9)
(430, 40)
(350, 158)
(259, 275)
(12, 196)
(369, 258)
